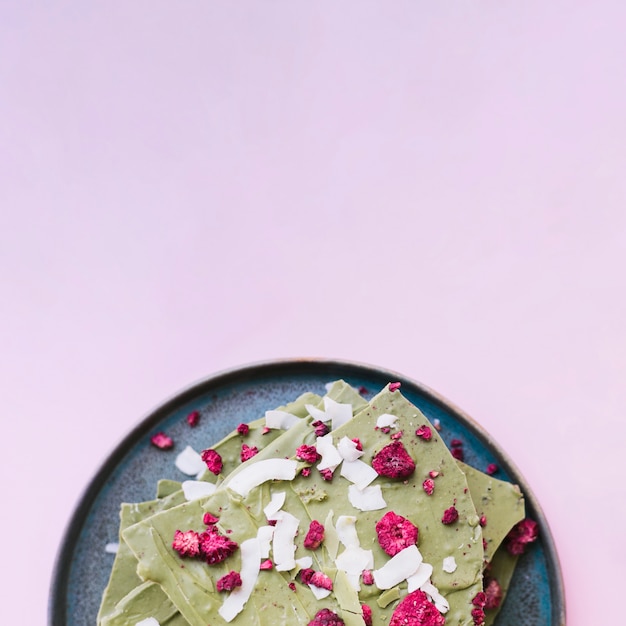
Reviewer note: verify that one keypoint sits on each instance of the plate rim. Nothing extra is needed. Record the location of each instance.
(61, 566)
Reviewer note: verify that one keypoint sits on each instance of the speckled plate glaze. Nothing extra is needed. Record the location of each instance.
(224, 400)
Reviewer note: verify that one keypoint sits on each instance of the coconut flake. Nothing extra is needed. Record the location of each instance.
(331, 538)
(440, 602)
(250, 556)
(348, 449)
(421, 576)
(368, 499)
(317, 414)
(275, 504)
(386, 420)
(112, 548)
(149, 621)
(283, 545)
(329, 453)
(196, 489)
(280, 420)
(346, 531)
(319, 592)
(256, 474)
(358, 472)
(304, 562)
(449, 564)
(265, 534)
(398, 568)
(339, 413)
(190, 462)
(353, 560)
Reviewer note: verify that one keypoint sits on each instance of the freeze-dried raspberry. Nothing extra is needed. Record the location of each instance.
(384, 429)
(357, 442)
(247, 452)
(393, 461)
(266, 429)
(450, 515)
(267, 564)
(394, 386)
(161, 441)
(457, 453)
(397, 435)
(292, 586)
(433, 473)
(326, 617)
(485, 544)
(314, 536)
(319, 579)
(193, 418)
(308, 454)
(306, 574)
(320, 428)
(492, 468)
(186, 543)
(213, 460)
(306, 471)
(429, 486)
(229, 581)
(478, 615)
(416, 610)
(395, 533)
(483, 520)
(209, 519)
(479, 599)
(521, 535)
(367, 614)
(243, 429)
(493, 593)
(424, 432)
(215, 547)
(456, 443)
(367, 577)
(327, 474)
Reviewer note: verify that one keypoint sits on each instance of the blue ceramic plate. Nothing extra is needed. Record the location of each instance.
(131, 472)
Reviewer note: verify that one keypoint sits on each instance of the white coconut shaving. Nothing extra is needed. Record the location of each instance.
(398, 568)
(421, 577)
(439, 601)
(283, 544)
(149, 621)
(250, 554)
(348, 449)
(275, 504)
(258, 473)
(339, 413)
(280, 420)
(346, 531)
(112, 548)
(368, 499)
(354, 559)
(386, 420)
(196, 489)
(189, 462)
(331, 538)
(329, 453)
(317, 414)
(319, 592)
(449, 564)
(358, 472)
(265, 534)
(304, 562)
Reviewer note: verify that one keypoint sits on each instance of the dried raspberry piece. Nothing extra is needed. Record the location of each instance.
(367, 614)
(521, 535)
(394, 386)
(213, 460)
(215, 547)
(320, 428)
(457, 453)
(319, 579)
(485, 544)
(306, 471)
(314, 536)
(247, 452)
(292, 586)
(327, 474)
(209, 519)
(193, 418)
(266, 429)
(397, 435)
(479, 599)
(429, 486)
(306, 574)
(326, 617)
(367, 577)
(416, 610)
(450, 515)
(483, 520)
(186, 543)
(493, 593)
(308, 454)
(384, 429)
(359, 445)
(478, 615)
(433, 473)
(267, 564)
(456, 443)
(395, 533)
(492, 468)
(243, 429)
(424, 432)
(229, 581)
(393, 461)
(162, 441)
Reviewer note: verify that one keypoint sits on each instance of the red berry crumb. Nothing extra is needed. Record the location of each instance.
(457, 453)
(247, 452)
(306, 471)
(243, 429)
(397, 435)
(479, 599)
(493, 594)
(424, 432)
(319, 579)
(492, 468)
(416, 610)
(433, 473)
(193, 418)
(162, 441)
(214, 547)
(327, 474)
(209, 519)
(456, 443)
(367, 577)
(429, 486)
(394, 386)
(267, 564)
(320, 428)
(229, 581)
(186, 543)
(393, 461)
(266, 429)
(359, 445)
(450, 515)
(483, 520)
(314, 536)
(306, 574)
(326, 617)
(213, 461)
(292, 586)
(308, 454)
(395, 533)
(367, 614)
(478, 615)
(521, 535)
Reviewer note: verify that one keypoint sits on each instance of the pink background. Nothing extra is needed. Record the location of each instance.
(436, 188)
